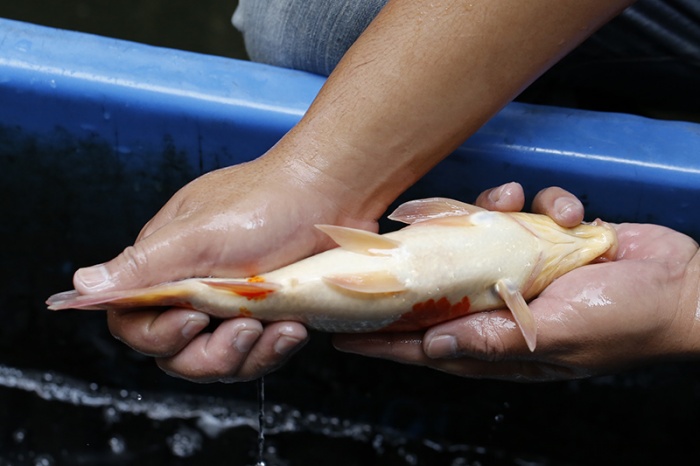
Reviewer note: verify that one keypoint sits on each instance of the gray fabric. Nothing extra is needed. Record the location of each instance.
(310, 35)
(313, 35)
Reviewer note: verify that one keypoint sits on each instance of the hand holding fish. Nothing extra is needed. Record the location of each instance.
(226, 223)
(212, 356)
(595, 319)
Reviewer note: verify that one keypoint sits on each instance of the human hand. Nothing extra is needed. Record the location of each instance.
(233, 222)
(595, 319)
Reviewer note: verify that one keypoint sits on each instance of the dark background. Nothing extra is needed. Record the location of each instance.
(70, 394)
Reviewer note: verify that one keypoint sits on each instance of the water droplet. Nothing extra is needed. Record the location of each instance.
(43, 460)
(117, 445)
(185, 442)
(23, 45)
(19, 435)
(111, 415)
(499, 418)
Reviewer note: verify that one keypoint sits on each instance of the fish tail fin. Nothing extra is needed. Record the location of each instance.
(521, 311)
(168, 294)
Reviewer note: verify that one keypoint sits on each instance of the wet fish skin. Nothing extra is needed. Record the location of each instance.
(452, 259)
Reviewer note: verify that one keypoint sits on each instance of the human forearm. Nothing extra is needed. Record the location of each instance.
(423, 78)
(689, 304)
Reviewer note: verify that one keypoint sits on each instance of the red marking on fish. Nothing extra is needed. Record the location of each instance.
(251, 291)
(428, 313)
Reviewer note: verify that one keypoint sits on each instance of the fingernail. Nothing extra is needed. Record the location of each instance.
(245, 340)
(563, 207)
(496, 193)
(285, 344)
(444, 346)
(94, 278)
(193, 326)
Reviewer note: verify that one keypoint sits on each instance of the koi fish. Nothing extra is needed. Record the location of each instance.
(451, 260)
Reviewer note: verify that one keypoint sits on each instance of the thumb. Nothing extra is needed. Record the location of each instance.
(130, 269)
(155, 259)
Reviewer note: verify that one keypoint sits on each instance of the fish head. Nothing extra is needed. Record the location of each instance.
(564, 249)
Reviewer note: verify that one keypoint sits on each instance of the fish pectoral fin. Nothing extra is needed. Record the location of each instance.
(167, 294)
(370, 282)
(359, 241)
(435, 207)
(521, 311)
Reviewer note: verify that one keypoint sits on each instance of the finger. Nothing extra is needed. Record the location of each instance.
(560, 205)
(400, 347)
(512, 371)
(238, 350)
(488, 336)
(165, 215)
(155, 259)
(156, 332)
(505, 198)
(408, 349)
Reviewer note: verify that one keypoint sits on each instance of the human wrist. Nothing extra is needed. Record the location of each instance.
(360, 184)
(689, 307)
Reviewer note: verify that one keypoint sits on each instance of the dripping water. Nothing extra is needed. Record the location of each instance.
(189, 426)
(261, 421)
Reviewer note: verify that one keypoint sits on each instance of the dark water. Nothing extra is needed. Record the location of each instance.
(72, 395)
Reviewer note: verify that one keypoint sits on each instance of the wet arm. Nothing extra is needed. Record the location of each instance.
(421, 79)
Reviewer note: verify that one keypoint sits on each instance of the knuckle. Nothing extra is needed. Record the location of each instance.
(491, 347)
(133, 261)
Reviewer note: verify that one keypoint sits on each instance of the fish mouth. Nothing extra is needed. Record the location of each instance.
(565, 249)
(611, 253)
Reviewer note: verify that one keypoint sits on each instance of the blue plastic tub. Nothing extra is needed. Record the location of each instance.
(220, 111)
(96, 134)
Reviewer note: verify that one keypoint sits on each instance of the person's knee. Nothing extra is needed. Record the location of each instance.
(310, 35)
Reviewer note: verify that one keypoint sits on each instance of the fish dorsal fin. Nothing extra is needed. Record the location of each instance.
(369, 282)
(431, 208)
(521, 312)
(359, 241)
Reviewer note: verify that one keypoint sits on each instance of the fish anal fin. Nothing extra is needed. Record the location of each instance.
(359, 241)
(251, 289)
(368, 282)
(421, 210)
(520, 310)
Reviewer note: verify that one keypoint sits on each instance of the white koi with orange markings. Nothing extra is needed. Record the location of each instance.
(452, 259)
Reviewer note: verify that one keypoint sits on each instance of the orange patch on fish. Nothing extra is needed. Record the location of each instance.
(251, 290)
(244, 312)
(428, 313)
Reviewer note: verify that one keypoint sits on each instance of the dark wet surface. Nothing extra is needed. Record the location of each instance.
(72, 395)
(202, 26)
